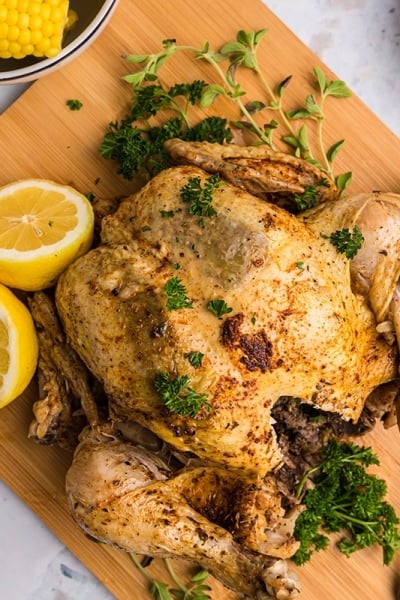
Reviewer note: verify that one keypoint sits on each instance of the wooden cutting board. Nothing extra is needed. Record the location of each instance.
(41, 137)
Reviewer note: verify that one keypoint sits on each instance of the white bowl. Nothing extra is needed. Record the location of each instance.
(93, 15)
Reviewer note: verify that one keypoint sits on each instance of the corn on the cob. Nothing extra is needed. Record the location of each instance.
(32, 27)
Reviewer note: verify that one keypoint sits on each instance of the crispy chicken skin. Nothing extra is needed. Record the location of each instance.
(272, 175)
(302, 323)
(125, 496)
(295, 326)
(66, 401)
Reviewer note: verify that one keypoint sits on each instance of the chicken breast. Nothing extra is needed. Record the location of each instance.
(284, 320)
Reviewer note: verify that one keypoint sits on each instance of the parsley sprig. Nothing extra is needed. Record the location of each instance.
(194, 589)
(309, 197)
(136, 143)
(178, 396)
(200, 198)
(195, 358)
(74, 104)
(219, 307)
(344, 497)
(347, 242)
(175, 292)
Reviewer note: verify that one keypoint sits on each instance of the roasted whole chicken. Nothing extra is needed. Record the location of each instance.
(206, 310)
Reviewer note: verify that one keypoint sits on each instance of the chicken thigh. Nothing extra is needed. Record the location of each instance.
(124, 495)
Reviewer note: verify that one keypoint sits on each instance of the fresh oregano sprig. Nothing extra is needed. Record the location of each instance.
(314, 110)
(243, 53)
(194, 589)
(228, 62)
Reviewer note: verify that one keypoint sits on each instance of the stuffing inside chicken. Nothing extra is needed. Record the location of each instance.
(218, 322)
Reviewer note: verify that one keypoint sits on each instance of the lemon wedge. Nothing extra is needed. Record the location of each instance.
(18, 346)
(44, 226)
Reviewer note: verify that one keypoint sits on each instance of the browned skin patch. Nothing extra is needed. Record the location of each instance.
(256, 348)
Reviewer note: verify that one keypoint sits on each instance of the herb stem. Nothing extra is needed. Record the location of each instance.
(305, 478)
(276, 102)
(320, 128)
(174, 577)
(231, 93)
(139, 566)
(348, 518)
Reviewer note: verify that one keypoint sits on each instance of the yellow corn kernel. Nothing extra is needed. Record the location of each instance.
(23, 5)
(34, 27)
(72, 20)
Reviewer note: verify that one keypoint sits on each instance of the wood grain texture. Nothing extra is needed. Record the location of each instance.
(41, 137)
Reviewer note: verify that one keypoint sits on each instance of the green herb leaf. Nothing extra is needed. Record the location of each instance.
(291, 141)
(178, 396)
(159, 591)
(258, 36)
(90, 196)
(345, 498)
(312, 106)
(303, 138)
(255, 106)
(200, 576)
(338, 89)
(283, 85)
(343, 181)
(333, 150)
(200, 198)
(347, 242)
(74, 104)
(210, 93)
(298, 113)
(176, 295)
(195, 358)
(321, 79)
(309, 197)
(219, 307)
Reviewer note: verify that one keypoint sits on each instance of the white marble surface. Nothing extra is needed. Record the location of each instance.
(360, 41)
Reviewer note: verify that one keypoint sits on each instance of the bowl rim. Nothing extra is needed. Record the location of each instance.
(36, 70)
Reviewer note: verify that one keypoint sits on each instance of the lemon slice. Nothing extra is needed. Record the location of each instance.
(44, 226)
(18, 346)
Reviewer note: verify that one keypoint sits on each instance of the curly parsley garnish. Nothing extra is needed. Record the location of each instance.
(345, 498)
(309, 197)
(74, 104)
(178, 396)
(176, 294)
(136, 142)
(200, 198)
(347, 242)
(195, 358)
(219, 307)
